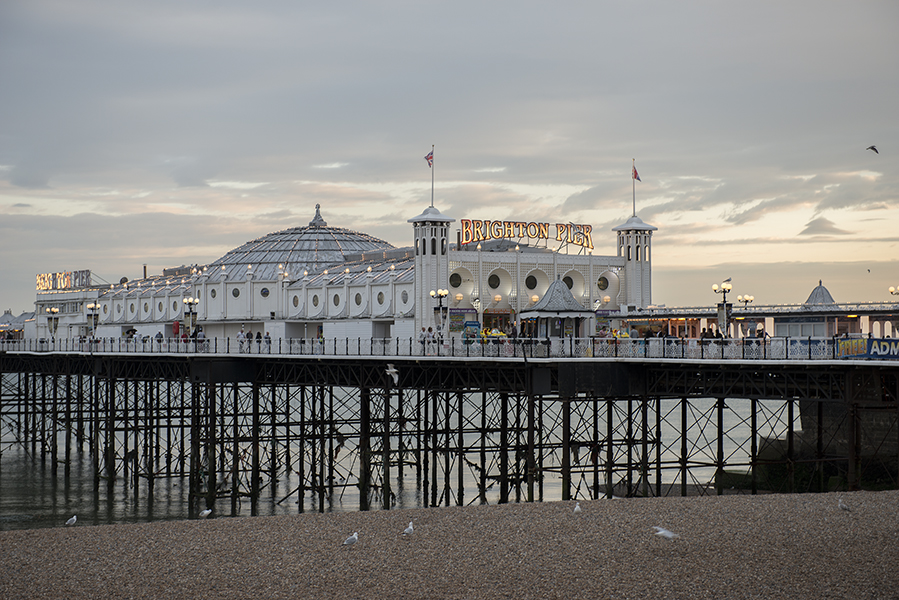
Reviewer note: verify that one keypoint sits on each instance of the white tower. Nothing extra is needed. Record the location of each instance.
(431, 236)
(634, 245)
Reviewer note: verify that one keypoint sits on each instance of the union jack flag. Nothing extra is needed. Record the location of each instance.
(430, 158)
(636, 175)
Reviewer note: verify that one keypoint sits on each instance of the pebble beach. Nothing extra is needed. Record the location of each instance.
(771, 546)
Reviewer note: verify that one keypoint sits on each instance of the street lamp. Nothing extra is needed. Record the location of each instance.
(746, 300)
(52, 320)
(94, 308)
(894, 291)
(439, 294)
(189, 305)
(723, 289)
(723, 307)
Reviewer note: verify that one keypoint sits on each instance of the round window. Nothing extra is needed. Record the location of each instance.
(235, 292)
(380, 297)
(602, 283)
(358, 299)
(455, 280)
(568, 281)
(212, 293)
(160, 307)
(405, 296)
(493, 281)
(530, 282)
(315, 300)
(296, 301)
(105, 309)
(146, 307)
(264, 292)
(336, 300)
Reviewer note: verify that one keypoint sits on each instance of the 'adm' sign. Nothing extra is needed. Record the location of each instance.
(570, 233)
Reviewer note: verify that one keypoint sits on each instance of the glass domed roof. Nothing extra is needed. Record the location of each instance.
(293, 251)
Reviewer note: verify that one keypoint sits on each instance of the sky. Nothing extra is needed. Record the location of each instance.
(169, 132)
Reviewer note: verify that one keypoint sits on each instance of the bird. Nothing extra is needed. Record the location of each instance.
(726, 280)
(874, 148)
(352, 539)
(205, 513)
(391, 370)
(670, 535)
(409, 530)
(72, 520)
(577, 507)
(843, 505)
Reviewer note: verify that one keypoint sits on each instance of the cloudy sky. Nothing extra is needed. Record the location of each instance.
(169, 132)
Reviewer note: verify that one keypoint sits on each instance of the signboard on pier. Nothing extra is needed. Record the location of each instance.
(882, 349)
(65, 280)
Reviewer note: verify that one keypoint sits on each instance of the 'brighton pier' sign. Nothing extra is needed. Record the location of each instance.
(64, 281)
(569, 233)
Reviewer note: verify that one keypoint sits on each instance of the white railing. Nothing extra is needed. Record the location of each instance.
(782, 348)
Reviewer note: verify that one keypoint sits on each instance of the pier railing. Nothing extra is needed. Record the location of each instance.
(775, 348)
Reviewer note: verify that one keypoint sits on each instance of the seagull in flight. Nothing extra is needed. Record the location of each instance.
(874, 148)
(843, 505)
(668, 535)
(409, 530)
(72, 520)
(726, 280)
(577, 507)
(352, 539)
(391, 370)
(205, 513)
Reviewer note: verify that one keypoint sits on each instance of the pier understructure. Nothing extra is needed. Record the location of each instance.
(458, 431)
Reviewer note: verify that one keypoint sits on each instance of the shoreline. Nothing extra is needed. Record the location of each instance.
(772, 546)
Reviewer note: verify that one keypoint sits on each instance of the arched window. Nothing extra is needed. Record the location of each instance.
(443, 246)
(434, 246)
(638, 252)
(629, 252)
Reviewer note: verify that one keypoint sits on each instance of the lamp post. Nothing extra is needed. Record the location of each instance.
(52, 320)
(746, 300)
(439, 294)
(94, 309)
(189, 305)
(723, 307)
(894, 291)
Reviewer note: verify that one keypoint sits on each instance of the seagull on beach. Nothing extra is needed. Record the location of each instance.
(843, 505)
(409, 530)
(391, 370)
(668, 535)
(72, 520)
(874, 148)
(205, 513)
(352, 539)
(577, 507)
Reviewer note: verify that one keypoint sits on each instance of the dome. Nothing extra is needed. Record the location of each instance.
(294, 250)
(820, 295)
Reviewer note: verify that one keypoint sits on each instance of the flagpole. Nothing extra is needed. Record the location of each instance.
(432, 176)
(634, 183)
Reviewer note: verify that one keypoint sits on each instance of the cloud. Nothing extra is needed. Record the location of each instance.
(822, 226)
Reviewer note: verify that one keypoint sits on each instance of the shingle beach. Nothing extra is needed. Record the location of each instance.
(774, 546)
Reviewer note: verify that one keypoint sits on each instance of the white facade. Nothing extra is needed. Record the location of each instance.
(324, 281)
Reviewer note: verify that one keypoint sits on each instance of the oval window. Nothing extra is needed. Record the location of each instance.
(530, 282)
(315, 300)
(602, 283)
(132, 308)
(264, 292)
(146, 307)
(105, 309)
(380, 297)
(455, 280)
(493, 281)
(159, 307)
(358, 299)
(296, 301)
(212, 293)
(336, 300)
(235, 292)
(405, 296)
(118, 309)
(175, 306)
(568, 281)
